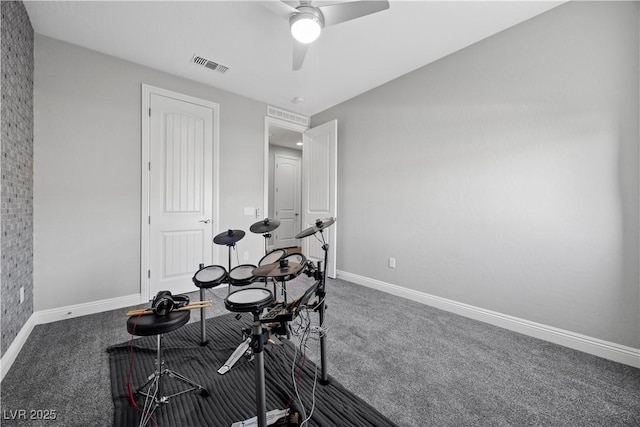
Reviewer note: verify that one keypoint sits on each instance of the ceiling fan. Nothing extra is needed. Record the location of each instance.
(307, 21)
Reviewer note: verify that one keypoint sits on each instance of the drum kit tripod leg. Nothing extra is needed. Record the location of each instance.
(253, 300)
(319, 226)
(258, 346)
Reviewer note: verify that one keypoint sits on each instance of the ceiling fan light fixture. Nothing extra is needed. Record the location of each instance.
(306, 24)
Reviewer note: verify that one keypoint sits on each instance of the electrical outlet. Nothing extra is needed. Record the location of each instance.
(21, 294)
(392, 262)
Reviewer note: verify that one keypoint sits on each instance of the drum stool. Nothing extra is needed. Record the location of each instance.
(153, 389)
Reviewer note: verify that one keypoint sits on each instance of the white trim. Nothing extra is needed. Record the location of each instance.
(61, 313)
(608, 350)
(87, 308)
(597, 347)
(12, 352)
(147, 90)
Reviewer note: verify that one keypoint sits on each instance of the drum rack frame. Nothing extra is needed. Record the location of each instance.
(258, 333)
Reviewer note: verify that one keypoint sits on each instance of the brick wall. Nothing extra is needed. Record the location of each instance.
(16, 167)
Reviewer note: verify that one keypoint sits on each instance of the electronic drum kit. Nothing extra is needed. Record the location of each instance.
(276, 265)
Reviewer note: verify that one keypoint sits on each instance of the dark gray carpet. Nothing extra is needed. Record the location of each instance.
(417, 365)
(232, 396)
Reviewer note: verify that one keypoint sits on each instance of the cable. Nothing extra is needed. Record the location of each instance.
(303, 331)
(210, 290)
(318, 239)
(294, 378)
(295, 383)
(321, 332)
(282, 288)
(132, 400)
(131, 363)
(306, 336)
(313, 397)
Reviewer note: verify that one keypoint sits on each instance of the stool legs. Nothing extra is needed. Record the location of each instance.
(153, 389)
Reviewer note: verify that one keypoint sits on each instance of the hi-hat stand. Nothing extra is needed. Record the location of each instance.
(214, 275)
(265, 227)
(229, 239)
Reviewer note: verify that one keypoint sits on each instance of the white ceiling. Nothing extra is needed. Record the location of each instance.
(348, 59)
(285, 137)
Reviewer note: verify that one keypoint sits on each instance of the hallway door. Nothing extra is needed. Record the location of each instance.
(287, 176)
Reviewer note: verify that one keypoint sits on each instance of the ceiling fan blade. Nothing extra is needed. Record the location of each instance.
(340, 12)
(299, 52)
(279, 8)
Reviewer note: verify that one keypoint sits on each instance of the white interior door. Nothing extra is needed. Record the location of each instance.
(319, 193)
(180, 192)
(287, 176)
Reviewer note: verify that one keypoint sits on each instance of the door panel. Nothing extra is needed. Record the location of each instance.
(184, 161)
(180, 192)
(287, 200)
(319, 167)
(181, 251)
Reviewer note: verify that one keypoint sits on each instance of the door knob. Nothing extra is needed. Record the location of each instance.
(206, 221)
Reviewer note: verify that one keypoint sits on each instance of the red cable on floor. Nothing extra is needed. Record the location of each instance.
(130, 393)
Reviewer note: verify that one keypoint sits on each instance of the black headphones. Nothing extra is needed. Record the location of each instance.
(164, 303)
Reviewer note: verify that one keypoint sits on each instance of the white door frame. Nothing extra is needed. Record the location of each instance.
(268, 121)
(147, 90)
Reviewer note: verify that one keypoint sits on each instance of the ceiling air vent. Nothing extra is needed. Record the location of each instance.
(209, 64)
(287, 115)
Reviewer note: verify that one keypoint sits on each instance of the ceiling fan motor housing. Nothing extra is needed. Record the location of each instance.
(306, 23)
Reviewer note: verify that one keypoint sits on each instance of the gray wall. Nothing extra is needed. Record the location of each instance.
(505, 176)
(16, 215)
(87, 171)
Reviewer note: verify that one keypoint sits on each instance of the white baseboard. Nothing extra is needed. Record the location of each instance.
(608, 350)
(16, 345)
(77, 310)
(61, 313)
